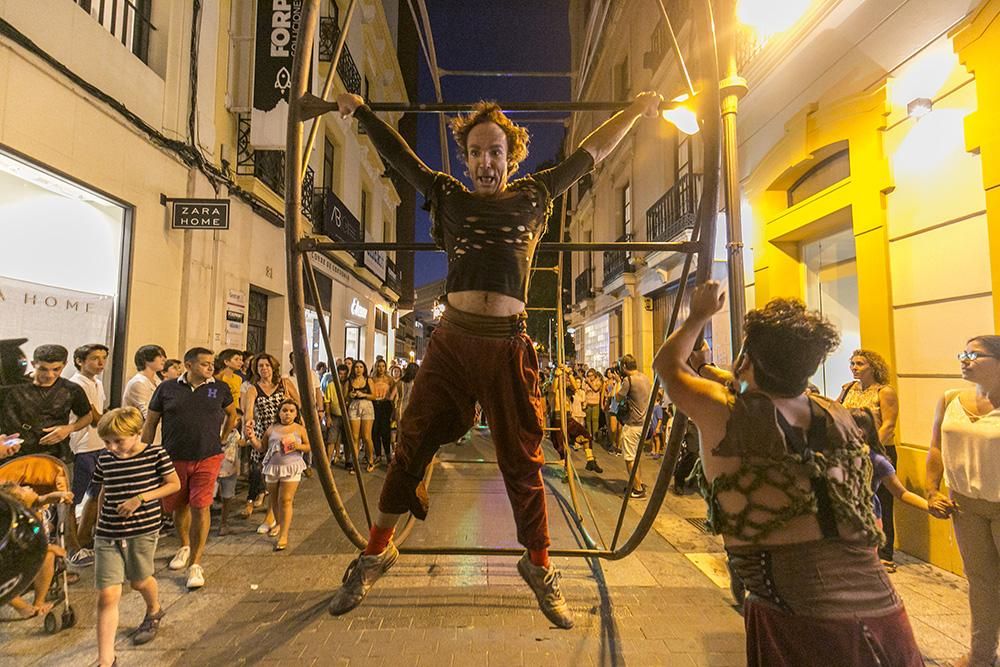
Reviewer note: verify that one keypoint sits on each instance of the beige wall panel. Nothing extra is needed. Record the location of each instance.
(941, 263)
(936, 179)
(928, 337)
(918, 398)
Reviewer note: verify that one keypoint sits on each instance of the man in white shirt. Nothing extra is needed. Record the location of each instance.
(149, 360)
(86, 444)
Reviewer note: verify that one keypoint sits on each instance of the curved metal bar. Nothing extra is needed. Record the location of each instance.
(707, 214)
(338, 389)
(296, 245)
(294, 264)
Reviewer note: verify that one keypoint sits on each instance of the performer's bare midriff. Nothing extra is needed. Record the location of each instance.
(480, 352)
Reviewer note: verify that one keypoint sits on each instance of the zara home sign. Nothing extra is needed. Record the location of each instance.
(200, 214)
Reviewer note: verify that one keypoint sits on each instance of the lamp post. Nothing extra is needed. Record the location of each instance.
(734, 87)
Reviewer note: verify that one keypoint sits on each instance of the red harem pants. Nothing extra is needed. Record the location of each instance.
(502, 375)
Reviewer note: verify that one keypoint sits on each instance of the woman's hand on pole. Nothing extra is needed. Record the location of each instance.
(348, 103)
(706, 300)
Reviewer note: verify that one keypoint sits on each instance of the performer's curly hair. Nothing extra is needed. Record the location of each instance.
(490, 112)
(880, 369)
(786, 343)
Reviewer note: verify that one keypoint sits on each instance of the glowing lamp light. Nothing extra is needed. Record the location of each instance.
(681, 117)
(919, 107)
(768, 18)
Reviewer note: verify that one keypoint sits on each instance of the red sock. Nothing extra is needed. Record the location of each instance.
(378, 540)
(539, 557)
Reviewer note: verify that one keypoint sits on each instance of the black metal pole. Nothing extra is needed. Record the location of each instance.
(313, 243)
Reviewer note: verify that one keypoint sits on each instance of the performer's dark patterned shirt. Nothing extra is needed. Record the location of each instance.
(490, 241)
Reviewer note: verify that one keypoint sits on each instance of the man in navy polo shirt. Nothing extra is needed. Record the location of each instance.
(198, 413)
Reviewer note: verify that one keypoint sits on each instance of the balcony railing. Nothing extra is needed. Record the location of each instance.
(329, 33)
(393, 278)
(128, 20)
(748, 45)
(617, 262)
(659, 41)
(675, 211)
(584, 285)
(268, 167)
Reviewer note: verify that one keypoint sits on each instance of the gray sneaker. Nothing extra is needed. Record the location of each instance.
(545, 584)
(147, 629)
(360, 576)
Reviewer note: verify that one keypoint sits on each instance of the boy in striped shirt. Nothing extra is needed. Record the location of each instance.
(132, 476)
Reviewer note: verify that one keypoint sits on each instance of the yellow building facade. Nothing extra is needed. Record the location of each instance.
(878, 202)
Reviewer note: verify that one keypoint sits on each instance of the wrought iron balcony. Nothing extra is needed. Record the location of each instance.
(675, 211)
(393, 278)
(329, 33)
(617, 262)
(659, 41)
(268, 167)
(584, 285)
(748, 45)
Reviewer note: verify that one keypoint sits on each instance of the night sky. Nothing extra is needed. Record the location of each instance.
(508, 36)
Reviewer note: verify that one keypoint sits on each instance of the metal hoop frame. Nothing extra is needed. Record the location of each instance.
(303, 106)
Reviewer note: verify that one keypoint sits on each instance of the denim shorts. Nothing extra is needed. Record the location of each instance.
(362, 410)
(118, 561)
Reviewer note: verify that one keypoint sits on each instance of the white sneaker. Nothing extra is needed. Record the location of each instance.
(180, 559)
(196, 576)
(265, 528)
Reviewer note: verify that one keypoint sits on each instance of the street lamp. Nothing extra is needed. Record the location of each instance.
(683, 118)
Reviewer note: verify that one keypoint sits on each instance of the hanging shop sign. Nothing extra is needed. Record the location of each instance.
(276, 39)
(358, 310)
(375, 262)
(199, 214)
(338, 221)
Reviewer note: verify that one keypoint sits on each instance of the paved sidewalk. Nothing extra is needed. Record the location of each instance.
(667, 604)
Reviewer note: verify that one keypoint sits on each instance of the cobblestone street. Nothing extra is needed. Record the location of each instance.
(667, 604)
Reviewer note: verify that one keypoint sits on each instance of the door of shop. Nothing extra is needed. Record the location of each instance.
(832, 288)
(256, 321)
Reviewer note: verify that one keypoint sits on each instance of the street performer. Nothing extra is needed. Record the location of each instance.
(480, 352)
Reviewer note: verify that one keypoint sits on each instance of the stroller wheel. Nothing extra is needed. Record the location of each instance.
(51, 623)
(68, 617)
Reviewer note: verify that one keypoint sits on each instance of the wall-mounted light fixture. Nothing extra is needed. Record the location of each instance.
(919, 107)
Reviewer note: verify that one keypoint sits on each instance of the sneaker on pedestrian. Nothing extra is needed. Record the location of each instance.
(82, 558)
(147, 629)
(639, 491)
(594, 466)
(544, 582)
(360, 576)
(180, 559)
(196, 576)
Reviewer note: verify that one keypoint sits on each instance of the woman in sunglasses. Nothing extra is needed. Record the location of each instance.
(965, 448)
(787, 482)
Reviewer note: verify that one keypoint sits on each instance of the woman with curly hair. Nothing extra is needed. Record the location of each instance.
(870, 390)
(786, 479)
(481, 351)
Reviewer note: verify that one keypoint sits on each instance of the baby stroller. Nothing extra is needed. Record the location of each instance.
(45, 474)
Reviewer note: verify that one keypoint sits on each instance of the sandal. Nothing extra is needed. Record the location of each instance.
(273, 532)
(281, 546)
(370, 467)
(889, 565)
